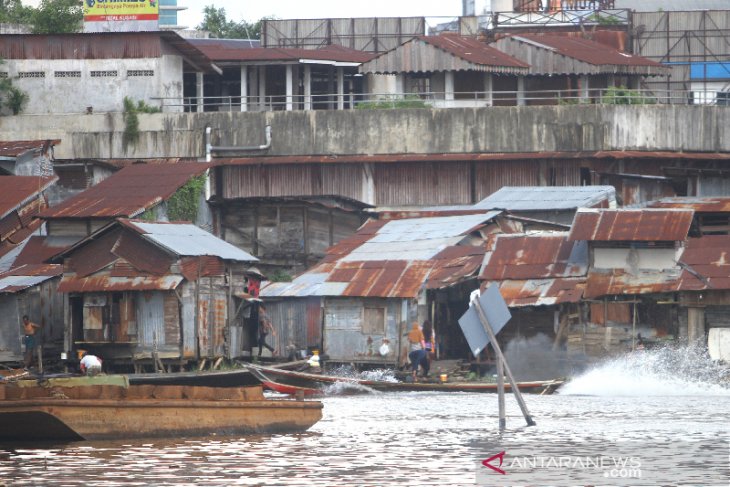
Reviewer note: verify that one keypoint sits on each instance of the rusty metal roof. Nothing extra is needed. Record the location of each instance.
(108, 283)
(535, 256)
(128, 192)
(522, 198)
(26, 276)
(444, 53)
(647, 225)
(16, 191)
(541, 292)
(709, 204)
(465, 157)
(393, 258)
(17, 147)
(38, 249)
(592, 57)
(222, 52)
(101, 45)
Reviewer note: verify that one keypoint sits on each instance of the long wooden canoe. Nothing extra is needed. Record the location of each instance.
(101, 408)
(291, 382)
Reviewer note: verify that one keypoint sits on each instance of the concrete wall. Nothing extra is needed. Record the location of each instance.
(67, 85)
(493, 129)
(635, 259)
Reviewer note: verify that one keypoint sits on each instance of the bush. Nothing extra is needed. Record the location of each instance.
(620, 95)
(390, 102)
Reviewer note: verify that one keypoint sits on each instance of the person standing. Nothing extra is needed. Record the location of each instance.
(417, 353)
(265, 328)
(29, 339)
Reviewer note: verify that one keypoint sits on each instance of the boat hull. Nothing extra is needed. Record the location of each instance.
(290, 382)
(107, 407)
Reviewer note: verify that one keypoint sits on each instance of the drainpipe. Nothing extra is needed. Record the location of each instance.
(209, 149)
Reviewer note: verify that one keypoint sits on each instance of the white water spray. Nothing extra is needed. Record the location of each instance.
(667, 371)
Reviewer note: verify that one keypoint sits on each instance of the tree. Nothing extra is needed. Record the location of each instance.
(216, 22)
(57, 17)
(14, 12)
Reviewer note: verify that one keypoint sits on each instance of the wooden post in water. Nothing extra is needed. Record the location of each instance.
(500, 358)
(500, 393)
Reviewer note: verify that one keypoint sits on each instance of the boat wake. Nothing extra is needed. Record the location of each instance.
(347, 388)
(667, 371)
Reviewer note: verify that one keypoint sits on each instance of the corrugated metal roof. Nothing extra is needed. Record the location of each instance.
(26, 276)
(101, 45)
(392, 259)
(107, 283)
(714, 204)
(186, 239)
(535, 256)
(647, 225)
(541, 292)
(39, 249)
(16, 191)
(17, 147)
(467, 157)
(225, 53)
(416, 238)
(444, 53)
(549, 54)
(517, 198)
(128, 192)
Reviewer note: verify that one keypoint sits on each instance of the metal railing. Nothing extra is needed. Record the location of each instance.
(470, 99)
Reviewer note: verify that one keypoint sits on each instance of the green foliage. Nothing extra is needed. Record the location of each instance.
(279, 275)
(410, 101)
(620, 95)
(216, 22)
(14, 12)
(11, 98)
(131, 121)
(604, 19)
(57, 17)
(184, 204)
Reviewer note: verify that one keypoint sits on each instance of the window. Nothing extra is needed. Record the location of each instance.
(140, 72)
(67, 74)
(32, 74)
(374, 321)
(723, 98)
(103, 74)
(3, 74)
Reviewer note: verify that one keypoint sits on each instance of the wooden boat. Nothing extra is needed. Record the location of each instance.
(291, 382)
(108, 407)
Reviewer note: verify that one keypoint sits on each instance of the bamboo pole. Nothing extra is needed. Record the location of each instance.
(500, 357)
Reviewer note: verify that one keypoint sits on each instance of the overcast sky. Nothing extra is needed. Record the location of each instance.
(253, 10)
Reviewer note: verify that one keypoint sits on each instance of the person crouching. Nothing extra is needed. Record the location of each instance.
(90, 365)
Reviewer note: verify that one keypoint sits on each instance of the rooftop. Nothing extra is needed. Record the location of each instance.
(646, 225)
(545, 198)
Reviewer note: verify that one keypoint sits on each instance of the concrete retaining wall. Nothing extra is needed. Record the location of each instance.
(494, 129)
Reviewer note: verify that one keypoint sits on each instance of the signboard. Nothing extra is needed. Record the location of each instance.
(497, 314)
(120, 10)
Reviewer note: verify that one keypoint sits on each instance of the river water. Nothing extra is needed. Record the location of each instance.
(409, 438)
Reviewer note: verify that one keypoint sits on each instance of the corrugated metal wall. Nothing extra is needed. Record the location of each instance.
(151, 320)
(344, 339)
(426, 183)
(297, 322)
(10, 329)
(364, 34)
(189, 339)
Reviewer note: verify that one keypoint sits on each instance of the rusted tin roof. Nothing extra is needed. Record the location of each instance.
(535, 256)
(40, 249)
(394, 258)
(467, 157)
(17, 191)
(18, 147)
(128, 192)
(219, 52)
(541, 292)
(647, 225)
(703, 265)
(709, 204)
(26, 276)
(521, 198)
(107, 283)
(101, 45)
(575, 55)
(425, 54)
